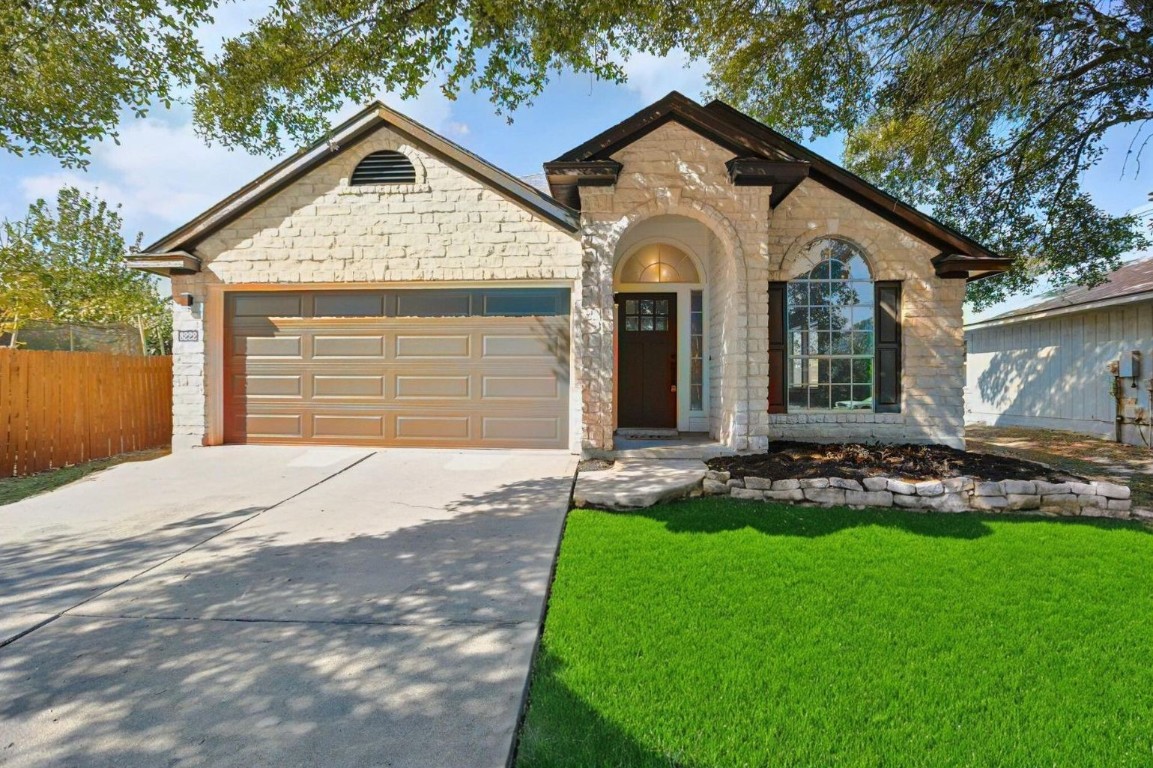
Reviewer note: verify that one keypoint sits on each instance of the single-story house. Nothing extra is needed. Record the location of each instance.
(1056, 364)
(692, 270)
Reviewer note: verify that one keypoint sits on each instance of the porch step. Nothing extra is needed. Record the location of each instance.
(632, 484)
(647, 434)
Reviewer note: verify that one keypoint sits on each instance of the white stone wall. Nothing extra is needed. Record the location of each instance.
(933, 364)
(673, 170)
(446, 227)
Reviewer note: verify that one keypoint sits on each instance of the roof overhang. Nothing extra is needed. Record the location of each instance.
(565, 178)
(782, 175)
(963, 266)
(166, 264)
(765, 157)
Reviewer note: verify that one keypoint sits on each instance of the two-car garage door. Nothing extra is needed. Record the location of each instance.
(468, 368)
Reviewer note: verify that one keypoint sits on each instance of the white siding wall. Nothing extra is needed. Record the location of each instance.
(1053, 372)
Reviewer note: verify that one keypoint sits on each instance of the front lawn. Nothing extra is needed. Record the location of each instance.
(720, 633)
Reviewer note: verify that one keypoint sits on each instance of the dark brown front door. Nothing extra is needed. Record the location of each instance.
(647, 356)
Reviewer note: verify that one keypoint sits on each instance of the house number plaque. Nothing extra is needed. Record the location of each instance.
(188, 335)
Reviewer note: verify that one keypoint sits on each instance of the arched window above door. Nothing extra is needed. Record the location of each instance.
(659, 263)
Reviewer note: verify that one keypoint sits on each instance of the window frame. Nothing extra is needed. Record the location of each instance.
(819, 357)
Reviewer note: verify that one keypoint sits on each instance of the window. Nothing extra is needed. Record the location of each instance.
(384, 167)
(659, 263)
(697, 351)
(830, 332)
(648, 315)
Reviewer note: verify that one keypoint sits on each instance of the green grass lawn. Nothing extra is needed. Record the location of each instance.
(719, 633)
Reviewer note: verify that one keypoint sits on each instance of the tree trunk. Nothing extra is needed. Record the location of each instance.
(143, 337)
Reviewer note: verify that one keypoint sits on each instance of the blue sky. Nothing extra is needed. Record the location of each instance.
(163, 175)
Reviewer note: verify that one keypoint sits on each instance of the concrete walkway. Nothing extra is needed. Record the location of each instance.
(249, 606)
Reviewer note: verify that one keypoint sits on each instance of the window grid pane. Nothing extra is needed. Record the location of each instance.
(829, 316)
(697, 349)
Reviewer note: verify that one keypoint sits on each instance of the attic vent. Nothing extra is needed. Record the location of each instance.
(384, 167)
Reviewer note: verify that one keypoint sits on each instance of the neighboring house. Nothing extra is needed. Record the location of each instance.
(1048, 365)
(693, 270)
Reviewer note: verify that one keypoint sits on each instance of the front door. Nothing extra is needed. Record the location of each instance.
(647, 353)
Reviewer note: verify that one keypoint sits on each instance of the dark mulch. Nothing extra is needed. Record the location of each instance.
(786, 460)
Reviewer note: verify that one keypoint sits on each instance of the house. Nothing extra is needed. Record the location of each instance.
(692, 270)
(1055, 364)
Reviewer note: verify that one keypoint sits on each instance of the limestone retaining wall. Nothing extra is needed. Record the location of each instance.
(955, 494)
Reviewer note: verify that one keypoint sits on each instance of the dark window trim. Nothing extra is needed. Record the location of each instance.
(887, 347)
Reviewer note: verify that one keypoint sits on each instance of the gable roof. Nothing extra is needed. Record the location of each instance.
(172, 253)
(788, 162)
(1132, 282)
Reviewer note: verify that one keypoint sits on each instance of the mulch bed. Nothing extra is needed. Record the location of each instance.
(787, 460)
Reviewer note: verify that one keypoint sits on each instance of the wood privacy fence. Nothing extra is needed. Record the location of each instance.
(61, 408)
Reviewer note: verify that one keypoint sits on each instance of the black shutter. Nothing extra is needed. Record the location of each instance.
(778, 369)
(887, 397)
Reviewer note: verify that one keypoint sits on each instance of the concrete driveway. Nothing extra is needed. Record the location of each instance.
(252, 606)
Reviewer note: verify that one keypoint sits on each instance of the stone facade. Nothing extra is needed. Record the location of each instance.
(673, 171)
(448, 226)
(451, 228)
(954, 494)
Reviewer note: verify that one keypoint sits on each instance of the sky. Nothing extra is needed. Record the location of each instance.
(162, 174)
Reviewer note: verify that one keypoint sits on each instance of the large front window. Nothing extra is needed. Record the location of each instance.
(830, 331)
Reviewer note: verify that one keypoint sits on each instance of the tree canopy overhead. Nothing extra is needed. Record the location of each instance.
(986, 113)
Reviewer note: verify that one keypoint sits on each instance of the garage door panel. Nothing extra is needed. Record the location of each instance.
(348, 386)
(521, 387)
(348, 304)
(266, 305)
(432, 427)
(345, 426)
(273, 425)
(423, 346)
(414, 380)
(428, 387)
(267, 346)
(348, 346)
(269, 386)
(519, 346)
(498, 428)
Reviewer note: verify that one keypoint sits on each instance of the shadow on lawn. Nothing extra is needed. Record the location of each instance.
(711, 516)
(562, 729)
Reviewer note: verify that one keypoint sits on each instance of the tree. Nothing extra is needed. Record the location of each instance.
(66, 264)
(72, 68)
(985, 112)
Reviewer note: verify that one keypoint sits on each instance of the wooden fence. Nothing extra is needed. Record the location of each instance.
(62, 408)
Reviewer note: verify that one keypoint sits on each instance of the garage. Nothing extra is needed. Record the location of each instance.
(418, 367)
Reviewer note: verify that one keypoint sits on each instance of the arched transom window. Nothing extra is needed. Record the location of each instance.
(659, 263)
(830, 318)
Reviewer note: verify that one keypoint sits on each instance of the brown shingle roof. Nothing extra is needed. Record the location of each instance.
(1130, 280)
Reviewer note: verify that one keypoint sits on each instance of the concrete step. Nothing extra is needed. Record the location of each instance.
(637, 484)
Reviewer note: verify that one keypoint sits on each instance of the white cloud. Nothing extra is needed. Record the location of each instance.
(654, 76)
(163, 174)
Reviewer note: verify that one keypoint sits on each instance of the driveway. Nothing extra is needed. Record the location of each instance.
(251, 606)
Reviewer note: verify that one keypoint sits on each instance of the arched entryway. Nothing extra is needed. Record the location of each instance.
(660, 282)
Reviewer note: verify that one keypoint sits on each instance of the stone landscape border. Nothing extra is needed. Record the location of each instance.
(954, 494)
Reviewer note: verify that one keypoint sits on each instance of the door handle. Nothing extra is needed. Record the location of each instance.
(673, 388)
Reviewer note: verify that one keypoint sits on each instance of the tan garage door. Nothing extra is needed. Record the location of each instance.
(479, 368)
